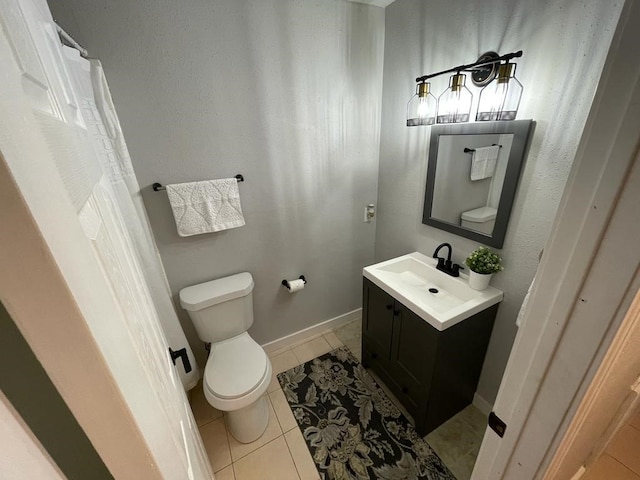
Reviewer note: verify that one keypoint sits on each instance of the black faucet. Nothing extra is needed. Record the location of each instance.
(447, 266)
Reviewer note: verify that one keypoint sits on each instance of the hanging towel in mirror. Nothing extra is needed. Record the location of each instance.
(483, 162)
(205, 207)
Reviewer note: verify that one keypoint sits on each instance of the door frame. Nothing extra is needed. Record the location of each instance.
(585, 282)
(611, 400)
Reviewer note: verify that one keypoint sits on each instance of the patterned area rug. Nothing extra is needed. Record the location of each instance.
(353, 430)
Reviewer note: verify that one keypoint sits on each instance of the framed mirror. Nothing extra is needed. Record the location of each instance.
(472, 177)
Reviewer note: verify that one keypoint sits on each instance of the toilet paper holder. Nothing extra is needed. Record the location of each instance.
(286, 282)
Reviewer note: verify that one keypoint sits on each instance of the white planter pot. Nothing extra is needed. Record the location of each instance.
(479, 281)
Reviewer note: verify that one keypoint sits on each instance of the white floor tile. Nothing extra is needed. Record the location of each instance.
(239, 450)
(226, 474)
(216, 443)
(301, 456)
(310, 350)
(281, 363)
(283, 411)
(333, 340)
(270, 462)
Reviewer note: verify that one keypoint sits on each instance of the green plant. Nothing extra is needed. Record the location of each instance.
(483, 260)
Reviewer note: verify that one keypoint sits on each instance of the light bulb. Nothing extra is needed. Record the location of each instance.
(454, 105)
(421, 109)
(501, 98)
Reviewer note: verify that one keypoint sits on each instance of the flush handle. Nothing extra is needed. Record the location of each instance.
(182, 353)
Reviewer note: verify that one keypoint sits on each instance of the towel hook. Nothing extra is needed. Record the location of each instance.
(158, 186)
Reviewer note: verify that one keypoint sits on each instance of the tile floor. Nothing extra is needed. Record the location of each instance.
(620, 460)
(282, 454)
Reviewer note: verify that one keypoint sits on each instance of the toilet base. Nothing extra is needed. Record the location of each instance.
(249, 423)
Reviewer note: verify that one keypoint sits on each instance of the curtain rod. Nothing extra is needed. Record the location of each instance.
(69, 39)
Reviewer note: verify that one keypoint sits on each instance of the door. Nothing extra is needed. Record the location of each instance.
(413, 356)
(608, 406)
(377, 324)
(108, 284)
(586, 280)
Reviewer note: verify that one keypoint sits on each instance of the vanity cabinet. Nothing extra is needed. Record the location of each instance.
(434, 374)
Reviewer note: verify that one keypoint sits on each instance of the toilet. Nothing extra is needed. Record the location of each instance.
(481, 219)
(238, 371)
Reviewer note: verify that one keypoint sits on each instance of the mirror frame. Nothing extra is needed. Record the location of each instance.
(521, 130)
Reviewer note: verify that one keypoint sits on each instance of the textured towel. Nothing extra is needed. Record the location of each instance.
(205, 207)
(483, 162)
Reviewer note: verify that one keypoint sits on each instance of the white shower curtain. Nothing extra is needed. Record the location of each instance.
(104, 127)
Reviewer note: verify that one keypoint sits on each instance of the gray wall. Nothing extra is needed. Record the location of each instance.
(286, 92)
(564, 44)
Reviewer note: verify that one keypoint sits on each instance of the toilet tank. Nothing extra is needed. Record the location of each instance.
(481, 219)
(221, 308)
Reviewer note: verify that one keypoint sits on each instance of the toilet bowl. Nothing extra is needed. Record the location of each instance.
(238, 371)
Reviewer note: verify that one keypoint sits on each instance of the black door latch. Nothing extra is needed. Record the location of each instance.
(182, 353)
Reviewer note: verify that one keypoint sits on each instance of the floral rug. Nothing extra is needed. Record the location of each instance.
(353, 430)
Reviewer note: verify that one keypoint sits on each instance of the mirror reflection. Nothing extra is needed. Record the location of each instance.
(472, 178)
(476, 165)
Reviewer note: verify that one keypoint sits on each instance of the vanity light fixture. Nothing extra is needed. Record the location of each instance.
(454, 105)
(421, 109)
(501, 98)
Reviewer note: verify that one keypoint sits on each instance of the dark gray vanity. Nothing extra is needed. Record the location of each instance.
(433, 372)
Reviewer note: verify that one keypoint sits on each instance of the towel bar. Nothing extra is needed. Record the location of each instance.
(158, 186)
(471, 150)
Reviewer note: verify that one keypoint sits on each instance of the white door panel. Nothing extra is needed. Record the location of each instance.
(57, 85)
(34, 82)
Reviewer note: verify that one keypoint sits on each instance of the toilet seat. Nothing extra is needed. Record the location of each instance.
(237, 373)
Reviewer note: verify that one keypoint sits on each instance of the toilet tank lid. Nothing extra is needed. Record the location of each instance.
(203, 295)
(482, 214)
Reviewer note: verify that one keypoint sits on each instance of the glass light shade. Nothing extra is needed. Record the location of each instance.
(501, 98)
(454, 105)
(421, 109)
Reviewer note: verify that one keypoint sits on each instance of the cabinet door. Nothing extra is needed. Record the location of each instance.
(377, 319)
(413, 353)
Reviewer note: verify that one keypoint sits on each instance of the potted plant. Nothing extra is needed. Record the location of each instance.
(482, 263)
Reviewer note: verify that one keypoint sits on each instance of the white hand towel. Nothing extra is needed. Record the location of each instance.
(483, 162)
(205, 207)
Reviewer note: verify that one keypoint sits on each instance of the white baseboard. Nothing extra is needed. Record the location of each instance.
(481, 404)
(309, 333)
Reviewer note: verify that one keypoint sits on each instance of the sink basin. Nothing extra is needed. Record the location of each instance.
(441, 300)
